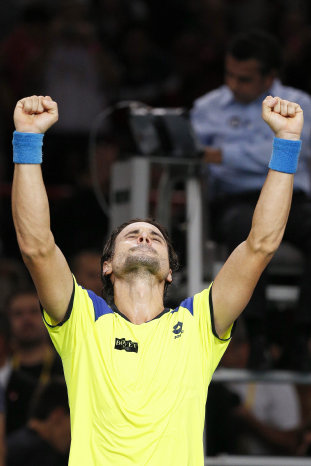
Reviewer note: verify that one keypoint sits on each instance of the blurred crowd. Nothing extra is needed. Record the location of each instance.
(89, 55)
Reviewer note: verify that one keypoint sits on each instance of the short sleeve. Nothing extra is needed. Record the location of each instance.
(79, 320)
(213, 347)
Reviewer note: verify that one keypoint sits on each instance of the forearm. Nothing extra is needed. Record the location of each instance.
(274, 203)
(284, 440)
(31, 214)
(271, 213)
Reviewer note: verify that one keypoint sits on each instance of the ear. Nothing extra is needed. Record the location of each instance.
(169, 277)
(107, 268)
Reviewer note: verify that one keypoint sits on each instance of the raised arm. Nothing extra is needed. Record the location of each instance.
(44, 260)
(234, 284)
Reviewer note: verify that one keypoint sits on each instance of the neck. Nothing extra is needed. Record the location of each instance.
(139, 298)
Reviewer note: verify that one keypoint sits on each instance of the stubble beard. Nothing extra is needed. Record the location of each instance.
(140, 263)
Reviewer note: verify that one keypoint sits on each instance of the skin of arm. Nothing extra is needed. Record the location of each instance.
(234, 284)
(30, 208)
(285, 440)
(212, 155)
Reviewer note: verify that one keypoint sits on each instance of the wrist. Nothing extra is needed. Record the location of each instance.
(288, 136)
(27, 147)
(285, 155)
(27, 129)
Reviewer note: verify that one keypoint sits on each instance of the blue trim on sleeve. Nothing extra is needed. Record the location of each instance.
(187, 304)
(100, 306)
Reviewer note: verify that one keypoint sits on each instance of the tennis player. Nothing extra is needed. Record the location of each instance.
(137, 373)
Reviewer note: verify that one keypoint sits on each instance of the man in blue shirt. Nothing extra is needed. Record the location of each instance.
(237, 146)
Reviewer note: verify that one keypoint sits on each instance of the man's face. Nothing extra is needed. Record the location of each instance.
(26, 321)
(140, 248)
(245, 79)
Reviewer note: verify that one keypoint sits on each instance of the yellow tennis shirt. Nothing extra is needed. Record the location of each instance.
(137, 393)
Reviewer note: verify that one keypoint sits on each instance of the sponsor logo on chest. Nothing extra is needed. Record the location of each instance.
(126, 345)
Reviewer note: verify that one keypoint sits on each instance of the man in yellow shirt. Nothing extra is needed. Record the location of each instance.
(137, 374)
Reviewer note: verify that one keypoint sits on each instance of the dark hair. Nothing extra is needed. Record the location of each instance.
(108, 252)
(258, 45)
(49, 397)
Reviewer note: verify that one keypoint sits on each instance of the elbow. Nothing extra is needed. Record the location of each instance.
(264, 245)
(33, 251)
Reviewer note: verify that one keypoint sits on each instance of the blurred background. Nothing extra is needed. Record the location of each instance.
(89, 55)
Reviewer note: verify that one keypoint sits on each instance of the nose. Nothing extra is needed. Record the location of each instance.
(143, 238)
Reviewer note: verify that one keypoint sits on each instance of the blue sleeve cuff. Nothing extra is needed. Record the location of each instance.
(285, 155)
(27, 147)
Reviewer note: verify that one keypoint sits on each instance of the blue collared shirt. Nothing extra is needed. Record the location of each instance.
(245, 139)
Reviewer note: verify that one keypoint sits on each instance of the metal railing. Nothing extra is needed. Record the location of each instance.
(273, 376)
(225, 460)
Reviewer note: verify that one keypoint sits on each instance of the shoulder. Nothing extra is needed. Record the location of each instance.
(186, 304)
(217, 97)
(197, 303)
(291, 93)
(101, 307)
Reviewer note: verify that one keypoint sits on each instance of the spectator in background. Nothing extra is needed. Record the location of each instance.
(45, 440)
(257, 418)
(33, 362)
(13, 276)
(269, 414)
(113, 17)
(295, 34)
(237, 146)
(198, 50)
(78, 64)
(147, 72)
(85, 267)
(21, 51)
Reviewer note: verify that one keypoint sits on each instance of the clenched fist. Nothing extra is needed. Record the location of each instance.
(284, 118)
(35, 114)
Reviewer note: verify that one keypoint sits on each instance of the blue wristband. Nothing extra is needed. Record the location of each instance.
(285, 155)
(27, 147)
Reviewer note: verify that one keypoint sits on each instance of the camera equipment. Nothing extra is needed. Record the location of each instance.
(162, 132)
